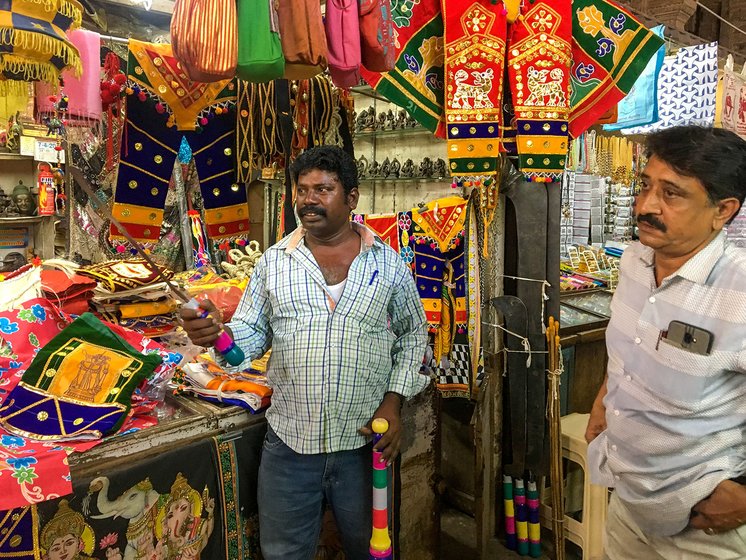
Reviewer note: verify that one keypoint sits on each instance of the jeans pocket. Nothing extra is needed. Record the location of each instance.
(271, 440)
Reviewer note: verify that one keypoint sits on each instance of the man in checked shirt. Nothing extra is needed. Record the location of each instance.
(340, 310)
(668, 428)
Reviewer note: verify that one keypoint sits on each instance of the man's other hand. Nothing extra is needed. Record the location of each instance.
(391, 441)
(596, 423)
(723, 510)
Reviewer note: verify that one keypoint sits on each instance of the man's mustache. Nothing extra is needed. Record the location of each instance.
(653, 221)
(318, 210)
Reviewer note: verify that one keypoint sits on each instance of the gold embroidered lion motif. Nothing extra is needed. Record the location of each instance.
(545, 93)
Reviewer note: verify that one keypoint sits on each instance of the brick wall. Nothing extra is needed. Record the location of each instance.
(673, 13)
(735, 12)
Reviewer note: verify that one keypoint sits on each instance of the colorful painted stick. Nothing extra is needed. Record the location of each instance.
(521, 516)
(534, 526)
(380, 541)
(511, 541)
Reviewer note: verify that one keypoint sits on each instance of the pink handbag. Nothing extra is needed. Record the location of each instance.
(343, 40)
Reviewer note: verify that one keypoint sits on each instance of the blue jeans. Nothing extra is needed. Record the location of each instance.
(293, 492)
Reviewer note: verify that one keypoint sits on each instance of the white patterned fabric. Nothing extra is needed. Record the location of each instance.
(734, 99)
(687, 87)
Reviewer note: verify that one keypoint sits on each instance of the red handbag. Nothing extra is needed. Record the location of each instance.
(377, 35)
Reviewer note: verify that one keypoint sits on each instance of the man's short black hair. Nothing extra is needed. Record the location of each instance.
(715, 156)
(327, 158)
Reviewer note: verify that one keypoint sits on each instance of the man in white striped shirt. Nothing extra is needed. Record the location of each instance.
(668, 427)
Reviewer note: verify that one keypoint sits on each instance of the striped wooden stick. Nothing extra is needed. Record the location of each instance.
(380, 541)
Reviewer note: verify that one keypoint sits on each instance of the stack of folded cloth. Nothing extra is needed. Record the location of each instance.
(130, 294)
(70, 293)
(207, 380)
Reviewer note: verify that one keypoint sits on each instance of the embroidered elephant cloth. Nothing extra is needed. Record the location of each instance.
(538, 69)
(475, 34)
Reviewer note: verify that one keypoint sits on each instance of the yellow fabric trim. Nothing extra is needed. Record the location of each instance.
(186, 116)
(153, 138)
(474, 147)
(68, 8)
(445, 232)
(227, 214)
(31, 71)
(203, 181)
(45, 396)
(141, 215)
(148, 173)
(408, 94)
(542, 144)
(444, 337)
(133, 310)
(202, 149)
(142, 240)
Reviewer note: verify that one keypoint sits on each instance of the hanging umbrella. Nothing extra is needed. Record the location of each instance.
(33, 39)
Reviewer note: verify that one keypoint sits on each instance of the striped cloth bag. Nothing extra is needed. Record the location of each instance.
(204, 36)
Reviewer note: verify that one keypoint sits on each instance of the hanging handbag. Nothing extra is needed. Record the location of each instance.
(377, 35)
(303, 38)
(260, 56)
(205, 57)
(343, 38)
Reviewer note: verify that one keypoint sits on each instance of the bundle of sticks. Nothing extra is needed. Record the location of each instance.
(556, 476)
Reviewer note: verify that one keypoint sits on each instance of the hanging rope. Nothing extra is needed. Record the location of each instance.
(725, 21)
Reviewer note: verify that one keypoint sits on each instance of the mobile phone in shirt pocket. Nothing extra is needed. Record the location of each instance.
(688, 337)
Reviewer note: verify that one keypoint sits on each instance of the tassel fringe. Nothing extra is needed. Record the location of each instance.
(37, 43)
(44, 44)
(13, 88)
(29, 71)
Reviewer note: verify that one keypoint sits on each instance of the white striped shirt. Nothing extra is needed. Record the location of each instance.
(676, 420)
(332, 362)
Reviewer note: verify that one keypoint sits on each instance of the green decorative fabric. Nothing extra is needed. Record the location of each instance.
(610, 50)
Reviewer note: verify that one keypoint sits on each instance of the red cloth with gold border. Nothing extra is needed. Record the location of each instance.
(539, 60)
(475, 33)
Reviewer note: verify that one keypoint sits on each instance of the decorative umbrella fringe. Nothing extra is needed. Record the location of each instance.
(31, 71)
(68, 8)
(43, 44)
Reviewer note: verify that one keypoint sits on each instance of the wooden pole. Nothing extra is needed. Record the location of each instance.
(556, 477)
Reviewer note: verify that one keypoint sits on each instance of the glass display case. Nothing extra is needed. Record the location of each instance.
(598, 302)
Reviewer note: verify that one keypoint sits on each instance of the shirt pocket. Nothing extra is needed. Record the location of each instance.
(682, 376)
(372, 301)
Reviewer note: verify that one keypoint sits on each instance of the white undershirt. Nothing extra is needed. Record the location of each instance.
(336, 290)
